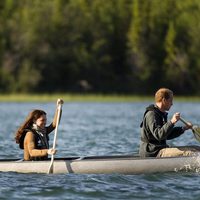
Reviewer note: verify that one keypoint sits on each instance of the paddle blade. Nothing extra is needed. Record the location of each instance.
(196, 132)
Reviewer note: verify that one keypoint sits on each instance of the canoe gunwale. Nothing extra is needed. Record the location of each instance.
(110, 157)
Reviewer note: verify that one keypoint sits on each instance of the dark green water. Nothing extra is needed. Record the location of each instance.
(94, 129)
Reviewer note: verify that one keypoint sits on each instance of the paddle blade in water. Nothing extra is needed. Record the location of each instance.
(196, 132)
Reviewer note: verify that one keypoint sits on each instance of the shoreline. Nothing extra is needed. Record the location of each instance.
(67, 97)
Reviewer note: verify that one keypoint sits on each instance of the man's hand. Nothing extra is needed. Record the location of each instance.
(188, 126)
(175, 118)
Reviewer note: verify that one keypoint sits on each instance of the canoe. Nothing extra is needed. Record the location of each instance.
(119, 164)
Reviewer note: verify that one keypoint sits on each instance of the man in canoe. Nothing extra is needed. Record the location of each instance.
(156, 129)
(33, 135)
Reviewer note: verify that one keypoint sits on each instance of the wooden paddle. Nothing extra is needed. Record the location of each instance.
(59, 107)
(195, 129)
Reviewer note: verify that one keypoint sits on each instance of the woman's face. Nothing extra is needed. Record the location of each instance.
(41, 121)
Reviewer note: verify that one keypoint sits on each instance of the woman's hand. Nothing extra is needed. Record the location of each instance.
(59, 101)
(51, 151)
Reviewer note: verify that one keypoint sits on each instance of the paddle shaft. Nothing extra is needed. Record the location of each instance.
(56, 129)
(50, 170)
(184, 121)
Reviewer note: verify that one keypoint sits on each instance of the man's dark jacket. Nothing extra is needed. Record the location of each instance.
(155, 130)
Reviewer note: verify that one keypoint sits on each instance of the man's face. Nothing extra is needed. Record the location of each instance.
(167, 103)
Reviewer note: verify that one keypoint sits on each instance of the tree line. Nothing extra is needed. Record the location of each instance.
(100, 46)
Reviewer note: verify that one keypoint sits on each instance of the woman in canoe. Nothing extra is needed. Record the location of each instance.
(156, 129)
(33, 135)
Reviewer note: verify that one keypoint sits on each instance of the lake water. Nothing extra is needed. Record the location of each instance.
(88, 129)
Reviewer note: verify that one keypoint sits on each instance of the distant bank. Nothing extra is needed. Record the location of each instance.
(85, 98)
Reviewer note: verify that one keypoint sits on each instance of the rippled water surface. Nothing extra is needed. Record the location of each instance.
(94, 129)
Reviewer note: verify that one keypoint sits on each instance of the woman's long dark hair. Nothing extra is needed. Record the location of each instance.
(31, 118)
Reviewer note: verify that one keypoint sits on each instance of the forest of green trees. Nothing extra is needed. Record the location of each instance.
(99, 46)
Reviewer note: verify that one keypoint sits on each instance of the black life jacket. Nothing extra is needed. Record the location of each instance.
(41, 141)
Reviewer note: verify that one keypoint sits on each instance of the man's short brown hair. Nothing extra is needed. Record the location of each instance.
(163, 93)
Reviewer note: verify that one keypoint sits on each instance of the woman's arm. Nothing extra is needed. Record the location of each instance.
(52, 126)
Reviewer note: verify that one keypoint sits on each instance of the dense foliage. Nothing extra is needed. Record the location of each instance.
(117, 46)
